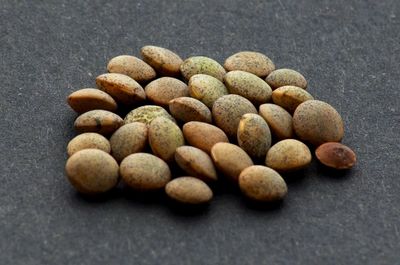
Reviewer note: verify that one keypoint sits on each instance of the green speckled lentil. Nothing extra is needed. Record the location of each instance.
(206, 88)
(146, 114)
(202, 65)
(286, 77)
(248, 85)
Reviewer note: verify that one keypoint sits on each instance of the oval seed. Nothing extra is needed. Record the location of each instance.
(92, 171)
(202, 65)
(146, 114)
(132, 67)
(227, 111)
(144, 172)
(196, 163)
(87, 99)
(288, 155)
(164, 137)
(121, 87)
(164, 61)
(189, 190)
(336, 155)
(206, 88)
(203, 135)
(128, 139)
(278, 119)
(100, 121)
(230, 159)
(162, 90)
(253, 135)
(187, 109)
(249, 86)
(317, 122)
(289, 97)
(286, 77)
(88, 141)
(252, 62)
(262, 184)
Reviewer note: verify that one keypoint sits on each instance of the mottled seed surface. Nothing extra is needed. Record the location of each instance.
(88, 141)
(249, 61)
(253, 135)
(196, 163)
(336, 155)
(189, 190)
(92, 171)
(144, 172)
(203, 135)
(286, 77)
(249, 86)
(186, 109)
(128, 139)
(261, 183)
(278, 119)
(288, 155)
(206, 88)
(289, 97)
(162, 90)
(164, 61)
(202, 65)
(164, 137)
(230, 159)
(100, 121)
(122, 88)
(133, 67)
(146, 114)
(317, 122)
(87, 99)
(227, 111)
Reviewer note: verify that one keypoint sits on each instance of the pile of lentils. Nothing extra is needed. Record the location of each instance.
(244, 122)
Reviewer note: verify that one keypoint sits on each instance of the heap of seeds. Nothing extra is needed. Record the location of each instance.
(193, 122)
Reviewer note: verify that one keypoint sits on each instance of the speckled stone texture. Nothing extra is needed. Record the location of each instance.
(347, 49)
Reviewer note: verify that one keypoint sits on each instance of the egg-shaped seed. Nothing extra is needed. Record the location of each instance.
(188, 190)
(289, 97)
(253, 135)
(278, 119)
(164, 61)
(202, 65)
(317, 122)
(128, 139)
(249, 61)
(288, 155)
(336, 155)
(203, 135)
(164, 137)
(87, 99)
(248, 85)
(186, 109)
(196, 163)
(227, 111)
(206, 88)
(286, 77)
(121, 87)
(263, 184)
(146, 114)
(230, 159)
(164, 89)
(144, 172)
(88, 141)
(133, 67)
(99, 121)
(92, 171)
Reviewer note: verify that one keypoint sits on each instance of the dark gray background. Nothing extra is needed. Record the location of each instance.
(350, 53)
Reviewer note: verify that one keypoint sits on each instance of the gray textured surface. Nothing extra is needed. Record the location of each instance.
(348, 50)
